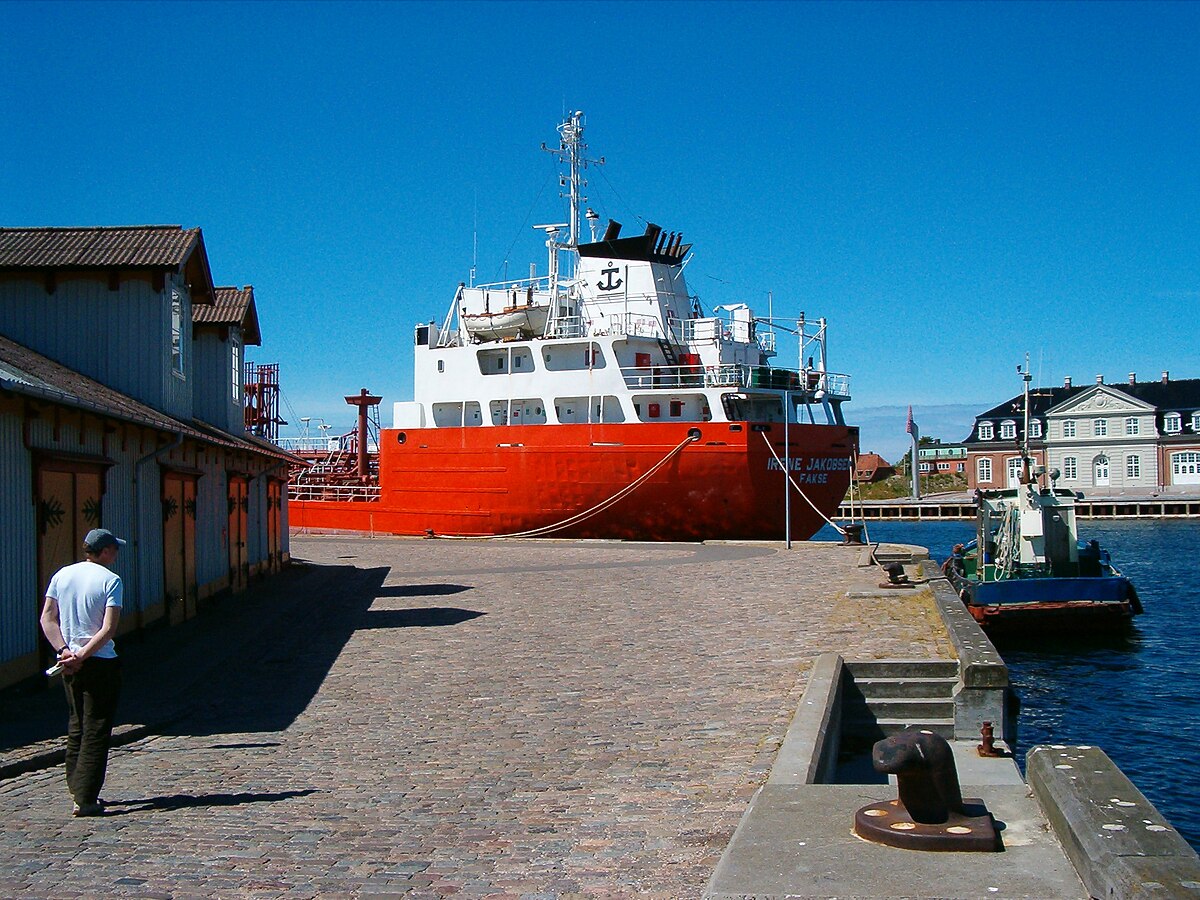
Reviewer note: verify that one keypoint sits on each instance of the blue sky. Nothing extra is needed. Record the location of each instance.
(952, 185)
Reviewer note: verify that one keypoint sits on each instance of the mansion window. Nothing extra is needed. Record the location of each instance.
(983, 470)
(1070, 468)
(1068, 428)
(1100, 427)
(1185, 463)
(1132, 425)
(1008, 430)
(1035, 428)
(1172, 423)
(1196, 421)
(1133, 466)
(985, 433)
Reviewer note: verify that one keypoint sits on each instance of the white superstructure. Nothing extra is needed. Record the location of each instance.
(615, 338)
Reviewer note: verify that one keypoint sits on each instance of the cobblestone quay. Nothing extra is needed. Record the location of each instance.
(515, 719)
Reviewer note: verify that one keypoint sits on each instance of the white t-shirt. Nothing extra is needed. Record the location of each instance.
(83, 591)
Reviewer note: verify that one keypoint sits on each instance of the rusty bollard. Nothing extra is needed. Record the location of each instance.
(896, 576)
(930, 813)
(988, 745)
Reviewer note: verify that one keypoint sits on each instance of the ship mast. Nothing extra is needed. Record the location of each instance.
(571, 151)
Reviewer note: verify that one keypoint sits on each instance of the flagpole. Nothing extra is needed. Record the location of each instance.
(914, 433)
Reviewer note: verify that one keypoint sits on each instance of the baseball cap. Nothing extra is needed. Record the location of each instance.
(99, 538)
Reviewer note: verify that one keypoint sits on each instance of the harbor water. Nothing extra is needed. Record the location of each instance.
(1135, 696)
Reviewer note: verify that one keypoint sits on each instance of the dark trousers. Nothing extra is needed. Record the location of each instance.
(91, 702)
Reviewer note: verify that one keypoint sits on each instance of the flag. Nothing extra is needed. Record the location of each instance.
(910, 426)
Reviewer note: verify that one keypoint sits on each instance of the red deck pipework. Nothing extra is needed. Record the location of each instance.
(364, 401)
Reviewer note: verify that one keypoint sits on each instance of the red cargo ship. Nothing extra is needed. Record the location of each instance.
(599, 402)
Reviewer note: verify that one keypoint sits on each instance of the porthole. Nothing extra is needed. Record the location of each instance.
(401, 437)
(694, 434)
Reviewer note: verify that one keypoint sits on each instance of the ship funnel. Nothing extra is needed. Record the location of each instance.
(613, 229)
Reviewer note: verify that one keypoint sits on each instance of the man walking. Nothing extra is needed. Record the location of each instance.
(83, 607)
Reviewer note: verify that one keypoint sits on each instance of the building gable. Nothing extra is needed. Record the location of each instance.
(1100, 399)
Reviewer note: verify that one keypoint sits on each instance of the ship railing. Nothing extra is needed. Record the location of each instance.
(344, 493)
(809, 381)
(714, 330)
(567, 327)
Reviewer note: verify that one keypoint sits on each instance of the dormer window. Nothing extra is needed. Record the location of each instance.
(1172, 423)
(985, 432)
(1008, 431)
(1035, 428)
(1196, 421)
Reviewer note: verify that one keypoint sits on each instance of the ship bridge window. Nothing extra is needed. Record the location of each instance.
(518, 412)
(685, 407)
(572, 357)
(499, 361)
(594, 410)
(457, 415)
(743, 408)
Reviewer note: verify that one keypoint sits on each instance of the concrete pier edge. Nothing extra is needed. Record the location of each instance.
(1118, 843)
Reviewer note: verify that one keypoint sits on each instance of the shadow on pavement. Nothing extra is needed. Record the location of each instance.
(189, 801)
(417, 618)
(249, 663)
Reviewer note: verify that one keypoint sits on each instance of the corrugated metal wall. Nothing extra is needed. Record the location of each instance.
(18, 551)
(118, 338)
(213, 389)
(212, 522)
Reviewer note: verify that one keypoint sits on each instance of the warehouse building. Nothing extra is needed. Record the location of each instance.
(120, 406)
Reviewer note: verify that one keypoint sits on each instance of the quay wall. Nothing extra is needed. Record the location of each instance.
(964, 509)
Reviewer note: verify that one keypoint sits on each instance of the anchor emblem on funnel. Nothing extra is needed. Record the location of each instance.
(606, 279)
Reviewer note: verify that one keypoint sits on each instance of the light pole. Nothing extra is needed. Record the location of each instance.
(304, 420)
(787, 470)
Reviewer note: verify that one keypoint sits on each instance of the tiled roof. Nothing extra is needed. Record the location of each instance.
(232, 306)
(134, 246)
(146, 247)
(25, 372)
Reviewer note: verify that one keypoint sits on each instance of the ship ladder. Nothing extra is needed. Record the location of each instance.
(600, 507)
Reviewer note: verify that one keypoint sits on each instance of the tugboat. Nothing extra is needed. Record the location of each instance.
(1026, 573)
(600, 400)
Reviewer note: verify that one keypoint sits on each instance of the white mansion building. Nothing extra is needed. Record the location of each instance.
(1140, 437)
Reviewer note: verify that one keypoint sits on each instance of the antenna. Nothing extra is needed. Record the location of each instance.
(475, 240)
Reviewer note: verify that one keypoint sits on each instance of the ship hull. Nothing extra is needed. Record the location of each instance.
(488, 481)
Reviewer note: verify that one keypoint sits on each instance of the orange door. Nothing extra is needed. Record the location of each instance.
(68, 501)
(274, 522)
(239, 507)
(179, 545)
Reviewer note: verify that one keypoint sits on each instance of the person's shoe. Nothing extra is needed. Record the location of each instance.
(85, 810)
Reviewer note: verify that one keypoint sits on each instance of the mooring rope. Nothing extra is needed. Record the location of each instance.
(838, 528)
(587, 513)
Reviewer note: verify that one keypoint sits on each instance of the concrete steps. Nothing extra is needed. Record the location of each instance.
(882, 697)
